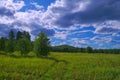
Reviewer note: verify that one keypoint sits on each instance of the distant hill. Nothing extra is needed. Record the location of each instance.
(65, 48)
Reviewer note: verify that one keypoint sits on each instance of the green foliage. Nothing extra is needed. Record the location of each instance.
(9, 46)
(11, 35)
(10, 42)
(20, 41)
(2, 43)
(23, 45)
(26, 35)
(18, 35)
(89, 49)
(23, 34)
(41, 45)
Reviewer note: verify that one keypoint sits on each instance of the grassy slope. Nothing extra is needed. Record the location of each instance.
(67, 67)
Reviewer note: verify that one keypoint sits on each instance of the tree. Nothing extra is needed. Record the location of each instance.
(24, 46)
(42, 45)
(10, 42)
(19, 35)
(23, 34)
(11, 35)
(89, 49)
(26, 35)
(2, 43)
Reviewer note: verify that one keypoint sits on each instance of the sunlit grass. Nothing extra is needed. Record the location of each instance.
(70, 66)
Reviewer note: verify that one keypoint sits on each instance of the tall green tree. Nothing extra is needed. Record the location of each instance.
(2, 43)
(42, 45)
(23, 34)
(24, 46)
(89, 49)
(26, 35)
(11, 35)
(18, 35)
(10, 42)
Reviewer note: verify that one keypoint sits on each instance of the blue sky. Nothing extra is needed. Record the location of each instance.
(79, 23)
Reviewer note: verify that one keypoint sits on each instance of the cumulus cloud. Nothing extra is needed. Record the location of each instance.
(12, 5)
(61, 35)
(67, 13)
(61, 13)
(108, 27)
(39, 7)
(7, 10)
(62, 18)
(79, 42)
(11, 17)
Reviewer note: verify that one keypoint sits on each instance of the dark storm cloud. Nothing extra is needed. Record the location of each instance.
(96, 11)
(6, 12)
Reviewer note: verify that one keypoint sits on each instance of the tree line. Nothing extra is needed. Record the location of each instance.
(21, 41)
(88, 49)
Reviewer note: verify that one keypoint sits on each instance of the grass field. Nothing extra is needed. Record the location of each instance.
(61, 66)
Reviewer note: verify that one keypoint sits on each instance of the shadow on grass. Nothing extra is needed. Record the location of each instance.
(17, 54)
(31, 55)
(22, 56)
(54, 59)
(3, 53)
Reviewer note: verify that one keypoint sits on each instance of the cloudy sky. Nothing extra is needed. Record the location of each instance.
(79, 23)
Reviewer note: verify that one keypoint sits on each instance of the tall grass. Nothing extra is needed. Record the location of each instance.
(69, 67)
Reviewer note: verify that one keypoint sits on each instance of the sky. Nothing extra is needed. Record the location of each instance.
(78, 23)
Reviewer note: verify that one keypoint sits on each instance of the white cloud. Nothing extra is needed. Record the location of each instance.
(10, 4)
(60, 15)
(6, 20)
(28, 16)
(107, 27)
(39, 7)
(29, 20)
(99, 39)
(79, 42)
(9, 8)
(61, 35)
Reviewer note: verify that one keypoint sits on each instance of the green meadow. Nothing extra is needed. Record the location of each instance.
(60, 66)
